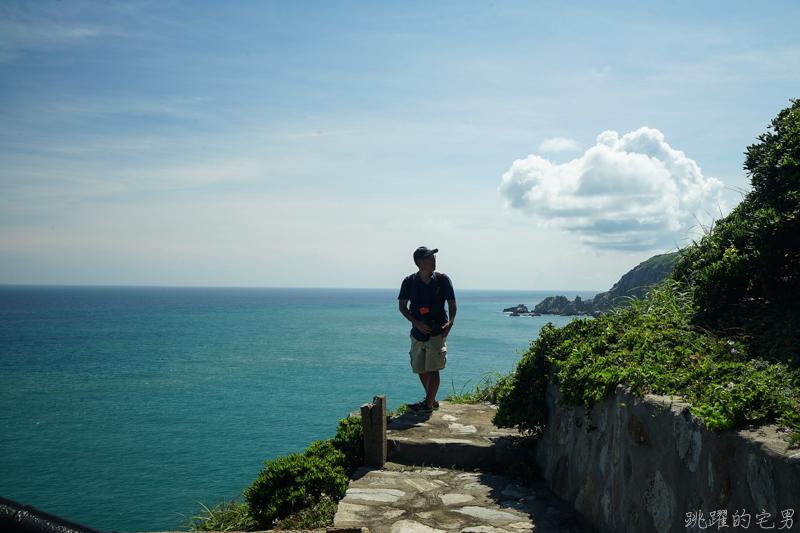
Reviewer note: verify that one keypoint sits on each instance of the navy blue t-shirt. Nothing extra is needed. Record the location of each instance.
(423, 295)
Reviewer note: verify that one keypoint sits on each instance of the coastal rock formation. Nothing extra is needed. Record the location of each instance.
(520, 309)
(634, 284)
(560, 305)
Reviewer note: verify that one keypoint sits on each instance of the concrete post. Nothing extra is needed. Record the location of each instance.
(373, 419)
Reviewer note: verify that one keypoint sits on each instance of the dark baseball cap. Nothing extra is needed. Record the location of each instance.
(423, 251)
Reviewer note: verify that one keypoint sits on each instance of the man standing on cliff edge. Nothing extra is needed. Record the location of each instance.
(427, 291)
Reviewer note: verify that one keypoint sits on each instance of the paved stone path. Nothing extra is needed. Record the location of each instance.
(429, 500)
(405, 497)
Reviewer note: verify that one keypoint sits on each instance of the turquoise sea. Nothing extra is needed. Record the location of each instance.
(121, 406)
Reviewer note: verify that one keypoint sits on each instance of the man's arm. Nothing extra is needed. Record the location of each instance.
(424, 328)
(451, 307)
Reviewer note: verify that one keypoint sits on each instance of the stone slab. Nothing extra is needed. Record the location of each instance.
(373, 420)
(456, 435)
(446, 501)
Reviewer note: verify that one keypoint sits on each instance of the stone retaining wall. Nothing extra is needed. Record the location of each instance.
(650, 466)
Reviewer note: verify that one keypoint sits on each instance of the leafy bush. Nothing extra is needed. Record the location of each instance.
(301, 481)
(299, 491)
(746, 270)
(522, 402)
(294, 482)
(349, 440)
(774, 163)
(318, 516)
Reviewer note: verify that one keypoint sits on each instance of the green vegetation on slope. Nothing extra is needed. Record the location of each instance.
(745, 271)
(722, 333)
(298, 491)
(652, 347)
(662, 261)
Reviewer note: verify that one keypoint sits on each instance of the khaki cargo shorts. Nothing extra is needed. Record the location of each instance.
(428, 356)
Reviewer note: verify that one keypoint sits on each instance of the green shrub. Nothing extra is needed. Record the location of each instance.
(349, 440)
(745, 271)
(294, 482)
(774, 163)
(298, 491)
(318, 516)
(522, 402)
(292, 485)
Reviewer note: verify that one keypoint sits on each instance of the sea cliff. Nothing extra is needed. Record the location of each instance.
(634, 284)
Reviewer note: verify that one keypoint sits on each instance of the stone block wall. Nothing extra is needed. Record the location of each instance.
(647, 465)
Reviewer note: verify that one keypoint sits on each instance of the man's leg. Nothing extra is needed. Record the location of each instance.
(430, 382)
(432, 387)
(435, 357)
(417, 354)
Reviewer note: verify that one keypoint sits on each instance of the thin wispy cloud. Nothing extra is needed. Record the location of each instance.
(629, 193)
(601, 73)
(558, 144)
(19, 36)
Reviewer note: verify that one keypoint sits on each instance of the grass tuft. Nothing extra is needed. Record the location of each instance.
(225, 515)
(486, 389)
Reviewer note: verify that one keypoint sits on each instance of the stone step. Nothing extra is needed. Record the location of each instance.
(443, 475)
(455, 436)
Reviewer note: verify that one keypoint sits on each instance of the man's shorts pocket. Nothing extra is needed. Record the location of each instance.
(441, 358)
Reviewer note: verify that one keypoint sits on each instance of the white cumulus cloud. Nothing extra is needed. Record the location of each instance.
(629, 193)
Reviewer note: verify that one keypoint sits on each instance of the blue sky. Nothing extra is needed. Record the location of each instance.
(537, 145)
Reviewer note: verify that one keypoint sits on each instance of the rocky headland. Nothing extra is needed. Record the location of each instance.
(634, 285)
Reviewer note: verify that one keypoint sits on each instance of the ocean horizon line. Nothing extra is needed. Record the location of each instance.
(99, 286)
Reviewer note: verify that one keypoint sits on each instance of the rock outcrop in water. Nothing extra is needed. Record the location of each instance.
(560, 305)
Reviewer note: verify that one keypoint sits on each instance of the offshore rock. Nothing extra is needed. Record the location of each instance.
(559, 305)
(521, 308)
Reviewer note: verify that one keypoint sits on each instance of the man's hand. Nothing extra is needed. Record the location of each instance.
(422, 326)
(451, 305)
(446, 329)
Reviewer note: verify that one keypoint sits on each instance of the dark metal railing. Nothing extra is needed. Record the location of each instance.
(19, 518)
